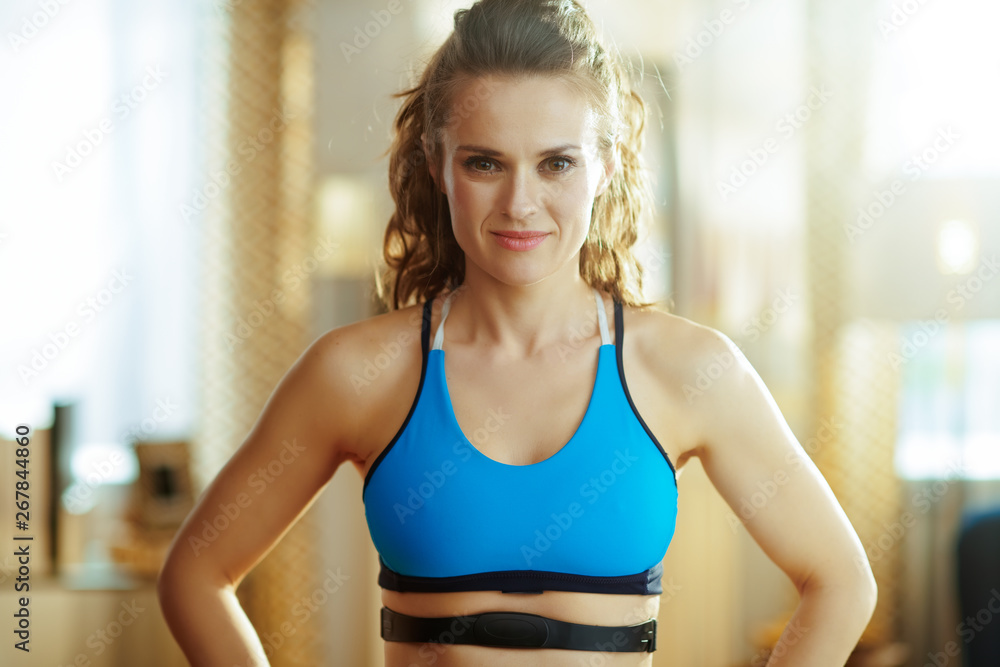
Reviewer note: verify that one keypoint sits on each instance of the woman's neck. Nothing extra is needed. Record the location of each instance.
(521, 320)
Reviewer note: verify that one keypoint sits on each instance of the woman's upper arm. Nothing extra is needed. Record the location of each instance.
(755, 462)
(301, 437)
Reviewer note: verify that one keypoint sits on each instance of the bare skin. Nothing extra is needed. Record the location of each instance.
(547, 390)
(512, 341)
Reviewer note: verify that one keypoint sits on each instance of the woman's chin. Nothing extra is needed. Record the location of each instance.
(520, 274)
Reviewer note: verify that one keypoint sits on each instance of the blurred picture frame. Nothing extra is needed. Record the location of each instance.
(163, 494)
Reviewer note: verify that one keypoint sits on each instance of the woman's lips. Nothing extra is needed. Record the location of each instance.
(519, 240)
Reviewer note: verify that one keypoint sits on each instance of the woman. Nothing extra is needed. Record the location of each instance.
(519, 464)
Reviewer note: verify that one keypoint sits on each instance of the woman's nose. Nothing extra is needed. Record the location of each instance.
(521, 196)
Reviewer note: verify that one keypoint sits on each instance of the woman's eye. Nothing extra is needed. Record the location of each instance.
(558, 164)
(480, 164)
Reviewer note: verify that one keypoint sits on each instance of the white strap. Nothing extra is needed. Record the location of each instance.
(439, 334)
(602, 317)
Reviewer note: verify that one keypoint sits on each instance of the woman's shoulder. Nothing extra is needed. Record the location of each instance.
(392, 333)
(356, 374)
(687, 357)
(667, 337)
(366, 358)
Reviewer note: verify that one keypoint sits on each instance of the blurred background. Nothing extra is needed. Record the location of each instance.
(193, 191)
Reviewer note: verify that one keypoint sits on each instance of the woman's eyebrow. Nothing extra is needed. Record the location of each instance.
(489, 152)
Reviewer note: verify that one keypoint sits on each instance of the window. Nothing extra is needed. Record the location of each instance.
(932, 116)
(934, 64)
(98, 269)
(949, 416)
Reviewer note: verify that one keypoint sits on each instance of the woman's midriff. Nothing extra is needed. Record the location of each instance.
(586, 608)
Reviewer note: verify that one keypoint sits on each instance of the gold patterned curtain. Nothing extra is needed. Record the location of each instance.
(854, 390)
(256, 232)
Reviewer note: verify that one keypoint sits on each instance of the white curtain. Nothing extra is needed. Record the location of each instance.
(97, 266)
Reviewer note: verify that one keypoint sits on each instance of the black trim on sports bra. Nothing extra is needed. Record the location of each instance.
(619, 337)
(425, 338)
(648, 582)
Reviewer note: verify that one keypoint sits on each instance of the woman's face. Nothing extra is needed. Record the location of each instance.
(520, 167)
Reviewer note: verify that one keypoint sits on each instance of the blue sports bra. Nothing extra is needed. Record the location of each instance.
(595, 517)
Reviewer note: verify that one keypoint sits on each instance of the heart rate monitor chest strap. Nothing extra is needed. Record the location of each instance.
(516, 629)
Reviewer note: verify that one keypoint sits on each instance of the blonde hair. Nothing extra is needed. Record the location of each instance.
(513, 38)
